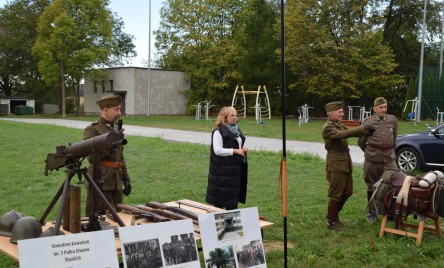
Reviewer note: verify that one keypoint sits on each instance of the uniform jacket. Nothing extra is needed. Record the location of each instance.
(227, 176)
(335, 136)
(384, 136)
(112, 177)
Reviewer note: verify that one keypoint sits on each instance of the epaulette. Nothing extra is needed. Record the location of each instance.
(389, 115)
(95, 123)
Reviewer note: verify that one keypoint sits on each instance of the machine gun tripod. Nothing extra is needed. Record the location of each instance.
(71, 157)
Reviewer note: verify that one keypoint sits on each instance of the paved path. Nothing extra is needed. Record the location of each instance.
(253, 143)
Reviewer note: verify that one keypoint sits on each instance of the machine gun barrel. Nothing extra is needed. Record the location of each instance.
(66, 155)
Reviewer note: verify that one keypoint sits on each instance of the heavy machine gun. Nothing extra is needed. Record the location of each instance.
(71, 157)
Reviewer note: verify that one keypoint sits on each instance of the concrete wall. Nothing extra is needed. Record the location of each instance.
(167, 93)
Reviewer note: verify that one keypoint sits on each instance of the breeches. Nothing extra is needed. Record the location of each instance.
(113, 197)
(374, 170)
(340, 185)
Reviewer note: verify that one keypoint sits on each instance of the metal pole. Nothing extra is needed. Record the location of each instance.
(149, 60)
(440, 54)
(421, 68)
(283, 166)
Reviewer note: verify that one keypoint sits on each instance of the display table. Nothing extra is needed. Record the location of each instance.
(11, 249)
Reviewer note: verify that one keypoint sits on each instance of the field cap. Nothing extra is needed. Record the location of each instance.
(109, 101)
(379, 101)
(333, 106)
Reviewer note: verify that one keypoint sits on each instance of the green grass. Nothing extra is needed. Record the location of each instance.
(163, 171)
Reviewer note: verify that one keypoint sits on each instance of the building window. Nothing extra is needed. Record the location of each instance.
(103, 86)
(111, 85)
(95, 86)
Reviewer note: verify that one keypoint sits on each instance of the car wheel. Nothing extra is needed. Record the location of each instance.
(408, 159)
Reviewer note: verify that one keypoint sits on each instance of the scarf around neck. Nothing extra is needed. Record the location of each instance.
(234, 129)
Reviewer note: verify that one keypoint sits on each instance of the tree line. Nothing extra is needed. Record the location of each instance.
(349, 50)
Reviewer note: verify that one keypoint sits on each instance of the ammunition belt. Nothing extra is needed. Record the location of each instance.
(380, 147)
(111, 164)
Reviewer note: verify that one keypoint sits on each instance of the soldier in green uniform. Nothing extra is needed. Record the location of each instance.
(114, 175)
(379, 152)
(338, 161)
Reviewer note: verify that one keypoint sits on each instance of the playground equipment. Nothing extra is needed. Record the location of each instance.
(207, 105)
(261, 107)
(412, 114)
(361, 113)
(439, 115)
(303, 114)
(364, 114)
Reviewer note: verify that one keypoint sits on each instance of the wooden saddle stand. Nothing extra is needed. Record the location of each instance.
(407, 196)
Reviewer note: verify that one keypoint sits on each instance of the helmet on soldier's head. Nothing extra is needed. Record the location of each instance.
(25, 228)
(7, 222)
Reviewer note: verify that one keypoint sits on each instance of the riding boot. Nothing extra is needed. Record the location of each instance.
(371, 215)
(340, 206)
(332, 214)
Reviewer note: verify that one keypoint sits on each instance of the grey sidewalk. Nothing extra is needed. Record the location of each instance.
(253, 143)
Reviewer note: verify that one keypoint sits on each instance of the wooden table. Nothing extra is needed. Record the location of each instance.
(11, 249)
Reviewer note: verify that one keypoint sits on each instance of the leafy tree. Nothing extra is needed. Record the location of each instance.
(335, 52)
(77, 35)
(198, 37)
(221, 43)
(402, 31)
(18, 69)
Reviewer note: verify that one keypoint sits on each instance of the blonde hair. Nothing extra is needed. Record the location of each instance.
(223, 114)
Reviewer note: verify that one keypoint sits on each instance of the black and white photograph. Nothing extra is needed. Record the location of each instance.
(165, 244)
(143, 254)
(221, 257)
(229, 226)
(250, 254)
(179, 249)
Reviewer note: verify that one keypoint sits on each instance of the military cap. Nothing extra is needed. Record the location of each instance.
(333, 106)
(379, 101)
(109, 101)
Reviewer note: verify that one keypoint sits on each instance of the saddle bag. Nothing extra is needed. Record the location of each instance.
(419, 199)
(439, 199)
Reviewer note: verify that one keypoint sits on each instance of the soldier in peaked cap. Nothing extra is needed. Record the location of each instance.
(116, 181)
(338, 161)
(379, 151)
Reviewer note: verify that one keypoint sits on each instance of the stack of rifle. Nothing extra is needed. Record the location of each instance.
(158, 212)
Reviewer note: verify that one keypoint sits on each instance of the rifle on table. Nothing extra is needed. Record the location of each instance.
(208, 210)
(174, 209)
(139, 213)
(166, 213)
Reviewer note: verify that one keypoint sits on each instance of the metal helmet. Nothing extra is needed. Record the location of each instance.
(7, 222)
(25, 228)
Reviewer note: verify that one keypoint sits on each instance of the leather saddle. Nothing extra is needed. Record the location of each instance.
(406, 197)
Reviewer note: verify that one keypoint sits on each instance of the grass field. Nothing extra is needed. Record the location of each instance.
(164, 171)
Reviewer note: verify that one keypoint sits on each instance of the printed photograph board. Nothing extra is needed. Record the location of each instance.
(232, 239)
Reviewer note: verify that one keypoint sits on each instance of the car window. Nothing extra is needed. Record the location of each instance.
(440, 131)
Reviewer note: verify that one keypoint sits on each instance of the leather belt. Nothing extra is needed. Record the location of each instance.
(111, 164)
(380, 147)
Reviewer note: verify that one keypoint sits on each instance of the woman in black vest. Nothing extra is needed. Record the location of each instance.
(227, 177)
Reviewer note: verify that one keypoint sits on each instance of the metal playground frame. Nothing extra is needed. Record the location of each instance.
(261, 107)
